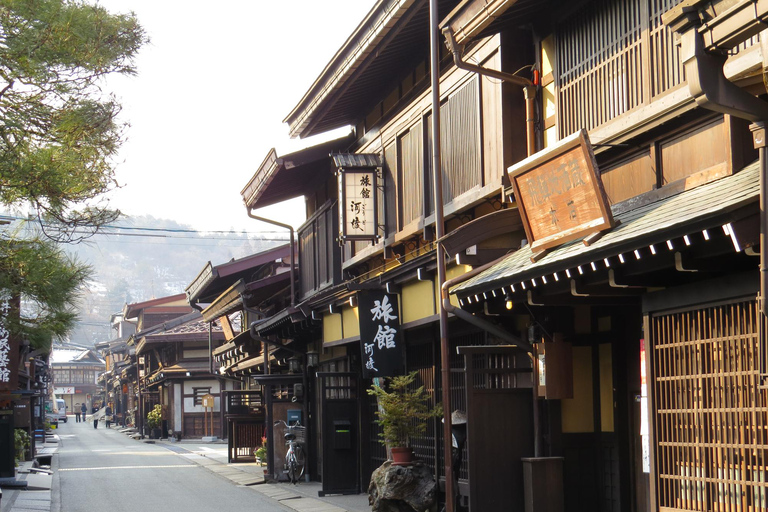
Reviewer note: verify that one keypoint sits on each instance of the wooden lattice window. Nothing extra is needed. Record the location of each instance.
(613, 57)
(710, 415)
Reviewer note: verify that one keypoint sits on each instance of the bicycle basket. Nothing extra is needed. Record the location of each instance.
(297, 432)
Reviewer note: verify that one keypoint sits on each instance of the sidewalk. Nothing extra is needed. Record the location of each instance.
(302, 497)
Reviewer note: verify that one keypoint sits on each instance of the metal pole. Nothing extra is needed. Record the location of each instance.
(437, 185)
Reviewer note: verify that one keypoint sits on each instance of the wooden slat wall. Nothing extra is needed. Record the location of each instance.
(710, 415)
(460, 141)
(412, 174)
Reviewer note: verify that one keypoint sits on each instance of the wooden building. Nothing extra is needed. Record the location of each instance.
(601, 191)
(234, 295)
(76, 371)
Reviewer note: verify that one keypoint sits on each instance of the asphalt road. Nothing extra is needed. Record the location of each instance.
(104, 470)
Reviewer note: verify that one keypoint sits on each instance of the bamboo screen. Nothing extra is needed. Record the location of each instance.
(412, 174)
(710, 415)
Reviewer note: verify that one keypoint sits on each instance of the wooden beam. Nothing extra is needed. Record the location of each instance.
(226, 326)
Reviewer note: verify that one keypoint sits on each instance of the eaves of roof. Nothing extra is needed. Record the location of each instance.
(133, 310)
(651, 223)
(212, 280)
(280, 178)
(392, 38)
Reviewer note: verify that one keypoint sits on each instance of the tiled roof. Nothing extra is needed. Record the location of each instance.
(650, 223)
(356, 160)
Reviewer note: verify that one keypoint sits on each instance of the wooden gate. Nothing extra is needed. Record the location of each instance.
(499, 426)
(245, 424)
(710, 411)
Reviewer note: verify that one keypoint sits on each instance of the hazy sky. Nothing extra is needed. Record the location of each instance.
(213, 87)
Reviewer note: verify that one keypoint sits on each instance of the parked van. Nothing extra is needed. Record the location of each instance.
(57, 411)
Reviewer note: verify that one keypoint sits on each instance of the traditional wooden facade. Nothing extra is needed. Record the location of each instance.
(235, 295)
(178, 375)
(76, 371)
(663, 285)
(658, 315)
(379, 83)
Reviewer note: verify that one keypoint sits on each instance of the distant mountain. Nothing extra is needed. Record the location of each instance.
(143, 258)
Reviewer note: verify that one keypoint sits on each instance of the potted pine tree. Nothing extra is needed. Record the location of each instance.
(402, 414)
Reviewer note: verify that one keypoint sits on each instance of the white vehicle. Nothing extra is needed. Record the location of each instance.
(56, 410)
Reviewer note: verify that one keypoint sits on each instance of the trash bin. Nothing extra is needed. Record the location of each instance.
(543, 484)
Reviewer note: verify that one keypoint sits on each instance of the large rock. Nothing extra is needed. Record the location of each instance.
(402, 488)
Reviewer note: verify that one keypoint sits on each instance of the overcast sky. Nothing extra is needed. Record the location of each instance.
(213, 87)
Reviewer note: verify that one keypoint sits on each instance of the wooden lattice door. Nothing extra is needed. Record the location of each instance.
(710, 413)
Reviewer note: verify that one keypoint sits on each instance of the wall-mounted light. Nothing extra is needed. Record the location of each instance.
(392, 288)
(508, 304)
(313, 358)
(294, 365)
(353, 301)
(333, 309)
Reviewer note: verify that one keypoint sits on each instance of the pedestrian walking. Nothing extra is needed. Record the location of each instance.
(77, 413)
(83, 410)
(108, 415)
(95, 418)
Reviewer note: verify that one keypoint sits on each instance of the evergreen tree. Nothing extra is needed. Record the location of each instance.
(58, 130)
(58, 133)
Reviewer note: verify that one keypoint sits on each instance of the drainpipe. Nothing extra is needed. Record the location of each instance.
(529, 89)
(712, 90)
(293, 249)
(500, 333)
(437, 190)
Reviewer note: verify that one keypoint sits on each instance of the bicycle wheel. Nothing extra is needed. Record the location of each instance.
(292, 470)
(300, 462)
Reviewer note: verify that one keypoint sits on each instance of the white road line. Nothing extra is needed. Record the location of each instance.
(130, 467)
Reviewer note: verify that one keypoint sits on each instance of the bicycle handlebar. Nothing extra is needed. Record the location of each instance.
(297, 424)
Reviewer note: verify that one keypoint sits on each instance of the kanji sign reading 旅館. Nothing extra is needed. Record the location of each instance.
(9, 350)
(358, 209)
(380, 338)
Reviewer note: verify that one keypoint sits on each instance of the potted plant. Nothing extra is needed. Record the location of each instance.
(402, 414)
(21, 444)
(154, 419)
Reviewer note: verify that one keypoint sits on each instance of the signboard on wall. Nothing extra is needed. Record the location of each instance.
(380, 339)
(64, 391)
(9, 346)
(560, 194)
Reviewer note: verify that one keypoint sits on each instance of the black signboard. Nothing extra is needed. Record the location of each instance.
(380, 339)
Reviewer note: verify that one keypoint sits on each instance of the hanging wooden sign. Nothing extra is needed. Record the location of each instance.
(358, 204)
(560, 194)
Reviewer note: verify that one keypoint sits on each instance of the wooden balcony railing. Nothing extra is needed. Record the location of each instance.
(244, 402)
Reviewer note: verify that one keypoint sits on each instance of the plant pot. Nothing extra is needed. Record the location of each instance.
(156, 433)
(402, 456)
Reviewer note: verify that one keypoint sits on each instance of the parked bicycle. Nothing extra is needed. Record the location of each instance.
(294, 459)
